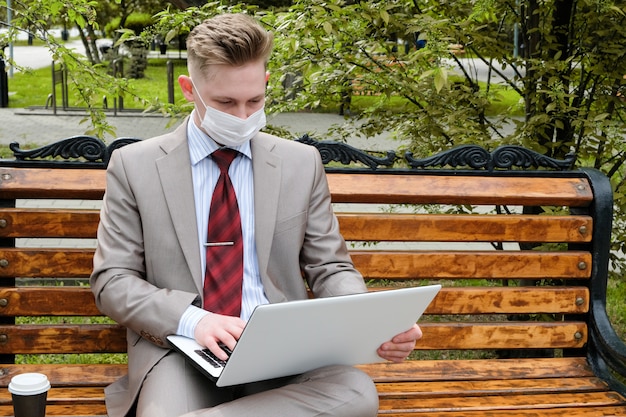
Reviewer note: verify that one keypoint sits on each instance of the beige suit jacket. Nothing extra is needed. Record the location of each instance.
(147, 264)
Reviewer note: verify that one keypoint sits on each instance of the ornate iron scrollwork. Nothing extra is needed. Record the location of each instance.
(505, 157)
(87, 149)
(90, 151)
(472, 156)
(346, 154)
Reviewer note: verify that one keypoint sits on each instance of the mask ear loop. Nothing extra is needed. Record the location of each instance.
(197, 92)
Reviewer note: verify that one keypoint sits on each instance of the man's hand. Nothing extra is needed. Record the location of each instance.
(398, 348)
(215, 328)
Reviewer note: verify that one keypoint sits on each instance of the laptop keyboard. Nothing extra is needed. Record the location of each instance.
(210, 357)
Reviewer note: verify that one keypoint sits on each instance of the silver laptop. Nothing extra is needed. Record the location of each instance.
(298, 336)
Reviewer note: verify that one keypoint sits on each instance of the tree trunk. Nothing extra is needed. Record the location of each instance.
(556, 135)
(92, 45)
(85, 41)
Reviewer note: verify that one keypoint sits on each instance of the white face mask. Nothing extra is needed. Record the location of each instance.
(230, 130)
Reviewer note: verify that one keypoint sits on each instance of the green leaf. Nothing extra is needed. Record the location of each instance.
(441, 78)
(171, 35)
(384, 16)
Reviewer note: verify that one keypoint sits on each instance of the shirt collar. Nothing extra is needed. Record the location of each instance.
(201, 145)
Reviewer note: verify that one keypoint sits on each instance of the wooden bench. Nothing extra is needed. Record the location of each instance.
(495, 344)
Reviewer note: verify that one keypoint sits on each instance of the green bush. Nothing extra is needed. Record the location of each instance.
(136, 22)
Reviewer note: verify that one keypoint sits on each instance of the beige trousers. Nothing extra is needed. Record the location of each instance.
(175, 388)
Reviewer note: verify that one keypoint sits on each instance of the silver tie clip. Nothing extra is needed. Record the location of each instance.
(219, 244)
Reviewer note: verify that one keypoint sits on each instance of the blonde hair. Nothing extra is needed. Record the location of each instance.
(227, 39)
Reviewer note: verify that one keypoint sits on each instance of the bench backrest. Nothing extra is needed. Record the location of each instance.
(404, 227)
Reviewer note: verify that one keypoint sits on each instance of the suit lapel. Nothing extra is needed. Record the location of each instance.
(175, 175)
(267, 177)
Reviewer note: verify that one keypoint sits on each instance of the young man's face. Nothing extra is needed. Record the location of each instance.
(238, 91)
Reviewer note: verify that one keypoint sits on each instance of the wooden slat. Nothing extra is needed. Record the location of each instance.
(75, 263)
(503, 335)
(61, 395)
(460, 264)
(79, 301)
(70, 338)
(510, 300)
(67, 375)
(42, 262)
(504, 402)
(516, 190)
(420, 189)
(479, 369)
(439, 389)
(86, 184)
(602, 411)
(49, 223)
(464, 228)
(66, 409)
(82, 409)
(47, 301)
(101, 338)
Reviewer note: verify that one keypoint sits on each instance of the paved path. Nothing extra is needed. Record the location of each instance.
(30, 127)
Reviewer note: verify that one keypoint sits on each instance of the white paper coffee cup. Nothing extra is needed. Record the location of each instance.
(29, 392)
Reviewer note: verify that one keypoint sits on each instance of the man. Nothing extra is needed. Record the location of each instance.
(149, 266)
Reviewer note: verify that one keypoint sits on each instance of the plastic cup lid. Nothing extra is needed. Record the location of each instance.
(29, 384)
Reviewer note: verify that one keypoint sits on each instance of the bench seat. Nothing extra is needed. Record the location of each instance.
(450, 388)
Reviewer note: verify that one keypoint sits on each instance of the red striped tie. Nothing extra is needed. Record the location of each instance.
(224, 247)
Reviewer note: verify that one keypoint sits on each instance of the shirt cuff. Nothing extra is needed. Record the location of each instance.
(189, 321)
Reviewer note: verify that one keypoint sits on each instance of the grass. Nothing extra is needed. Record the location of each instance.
(30, 89)
(616, 308)
(35, 42)
(33, 87)
(505, 101)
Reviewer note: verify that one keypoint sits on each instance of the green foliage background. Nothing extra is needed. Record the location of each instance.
(568, 71)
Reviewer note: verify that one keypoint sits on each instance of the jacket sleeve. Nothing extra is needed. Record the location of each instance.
(324, 258)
